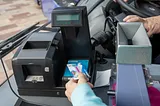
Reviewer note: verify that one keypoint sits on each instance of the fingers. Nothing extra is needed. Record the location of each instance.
(91, 85)
(127, 18)
(132, 18)
(75, 81)
(82, 78)
(70, 86)
(70, 83)
(150, 32)
(68, 95)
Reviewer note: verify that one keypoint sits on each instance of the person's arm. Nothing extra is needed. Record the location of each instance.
(79, 92)
(153, 25)
(84, 96)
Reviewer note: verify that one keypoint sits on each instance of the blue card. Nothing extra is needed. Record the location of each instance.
(75, 66)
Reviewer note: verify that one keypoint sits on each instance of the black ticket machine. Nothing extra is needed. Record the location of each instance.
(40, 65)
(73, 22)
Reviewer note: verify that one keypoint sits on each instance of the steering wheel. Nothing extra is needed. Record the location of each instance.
(132, 10)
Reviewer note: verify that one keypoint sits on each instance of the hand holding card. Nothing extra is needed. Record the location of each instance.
(72, 68)
(75, 69)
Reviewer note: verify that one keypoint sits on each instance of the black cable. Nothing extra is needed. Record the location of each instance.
(105, 24)
(110, 21)
(18, 35)
(12, 45)
(8, 78)
(12, 88)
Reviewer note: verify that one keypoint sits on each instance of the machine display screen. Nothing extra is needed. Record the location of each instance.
(68, 17)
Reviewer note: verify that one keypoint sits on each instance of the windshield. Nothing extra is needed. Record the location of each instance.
(49, 5)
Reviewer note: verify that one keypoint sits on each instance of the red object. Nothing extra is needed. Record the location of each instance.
(154, 96)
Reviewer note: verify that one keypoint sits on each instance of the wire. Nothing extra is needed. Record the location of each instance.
(106, 20)
(110, 21)
(16, 36)
(8, 78)
(12, 45)
(12, 87)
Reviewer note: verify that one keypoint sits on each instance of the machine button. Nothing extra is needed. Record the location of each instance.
(55, 42)
(58, 93)
(46, 69)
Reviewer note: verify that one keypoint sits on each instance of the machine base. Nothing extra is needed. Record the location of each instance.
(22, 103)
(41, 92)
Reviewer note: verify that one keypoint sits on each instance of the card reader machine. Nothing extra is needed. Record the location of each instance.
(73, 22)
(75, 31)
(40, 64)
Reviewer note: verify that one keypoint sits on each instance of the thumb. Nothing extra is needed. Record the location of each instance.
(82, 78)
(150, 33)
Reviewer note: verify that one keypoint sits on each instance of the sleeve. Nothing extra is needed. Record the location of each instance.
(83, 95)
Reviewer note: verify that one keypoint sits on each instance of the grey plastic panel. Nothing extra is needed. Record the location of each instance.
(131, 89)
(40, 54)
(43, 36)
(140, 51)
(37, 53)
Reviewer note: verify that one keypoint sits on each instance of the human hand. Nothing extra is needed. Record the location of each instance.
(135, 18)
(151, 24)
(123, 0)
(72, 84)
